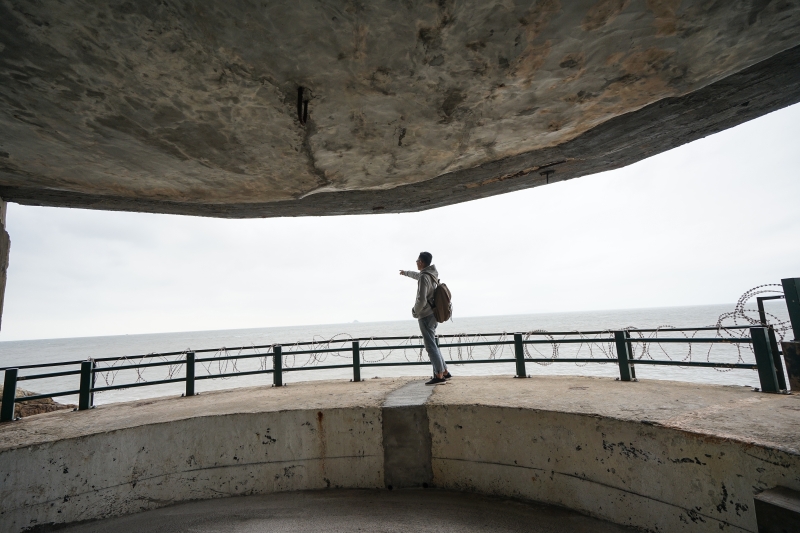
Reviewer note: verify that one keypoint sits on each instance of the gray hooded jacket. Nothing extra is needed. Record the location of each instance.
(425, 287)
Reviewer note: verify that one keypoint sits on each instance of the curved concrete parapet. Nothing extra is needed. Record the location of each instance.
(126, 458)
(663, 456)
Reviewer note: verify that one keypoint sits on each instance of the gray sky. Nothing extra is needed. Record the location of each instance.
(697, 225)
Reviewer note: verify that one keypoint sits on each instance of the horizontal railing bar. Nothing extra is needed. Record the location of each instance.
(745, 366)
(234, 374)
(573, 360)
(140, 384)
(50, 375)
(50, 395)
(378, 348)
(645, 330)
(746, 340)
(325, 350)
(41, 365)
(478, 361)
(325, 367)
(142, 356)
(646, 362)
(498, 343)
(404, 363)
(229, 357)
(577, 332)
(140, 365)
(184, 352)
(455, 362)
(570, 341)
(689, 340)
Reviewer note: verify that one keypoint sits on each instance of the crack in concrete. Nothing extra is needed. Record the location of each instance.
(181, 472)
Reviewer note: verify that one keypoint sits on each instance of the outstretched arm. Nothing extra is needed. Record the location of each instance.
(410, 273)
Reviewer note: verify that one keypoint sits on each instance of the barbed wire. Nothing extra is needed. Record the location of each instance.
(599, 346)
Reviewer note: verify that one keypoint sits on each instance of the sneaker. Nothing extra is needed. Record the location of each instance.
(436, 381)
(448, 375)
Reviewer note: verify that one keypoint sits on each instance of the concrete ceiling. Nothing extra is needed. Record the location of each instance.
(192, 107)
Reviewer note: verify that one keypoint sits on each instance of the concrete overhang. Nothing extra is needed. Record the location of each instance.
(301, 107)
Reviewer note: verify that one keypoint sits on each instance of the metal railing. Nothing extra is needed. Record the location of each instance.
(768, 360)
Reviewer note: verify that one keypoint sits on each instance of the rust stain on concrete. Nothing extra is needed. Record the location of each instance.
(602, 13)
(323, 445)
(665, 11)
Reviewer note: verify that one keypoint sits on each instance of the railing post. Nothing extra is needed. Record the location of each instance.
(623, 356)
(94, 381)
(519, 355)
(766, 365)
(776, 358)
(356, 362)
(791, 294)
(631, 356)
(189, 373)
(9, 395)
(84, 396)
(277, 366)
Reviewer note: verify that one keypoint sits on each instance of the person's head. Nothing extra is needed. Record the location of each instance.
(424, 260)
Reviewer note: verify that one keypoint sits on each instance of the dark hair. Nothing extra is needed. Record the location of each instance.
(426, 258)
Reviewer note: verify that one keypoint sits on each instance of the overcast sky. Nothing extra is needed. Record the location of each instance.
(697, 225)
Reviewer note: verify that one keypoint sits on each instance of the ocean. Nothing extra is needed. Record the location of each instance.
(129, 346)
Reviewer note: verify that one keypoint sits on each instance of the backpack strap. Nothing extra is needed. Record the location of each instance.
(435, 280)
(436, 284)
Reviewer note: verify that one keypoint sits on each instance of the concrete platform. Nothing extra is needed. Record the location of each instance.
(345, 511)
(662, 456)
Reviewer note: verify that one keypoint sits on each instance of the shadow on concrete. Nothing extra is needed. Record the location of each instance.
(330, 511)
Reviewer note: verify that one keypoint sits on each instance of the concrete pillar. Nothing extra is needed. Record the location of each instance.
(5, 248)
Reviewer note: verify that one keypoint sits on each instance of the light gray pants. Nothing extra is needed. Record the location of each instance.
(427, 326)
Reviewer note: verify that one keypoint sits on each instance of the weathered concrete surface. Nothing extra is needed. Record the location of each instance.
(119, 459)
(407, 437)
(791, 356)
(5, 250)
(663, 456)
(169, 107)
(346, 511)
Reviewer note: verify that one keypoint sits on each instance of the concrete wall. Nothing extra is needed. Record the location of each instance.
(661, 456)
(653, 477)
(144, 467)
(5, 250)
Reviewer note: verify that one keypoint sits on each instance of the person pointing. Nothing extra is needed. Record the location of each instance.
(427, 280)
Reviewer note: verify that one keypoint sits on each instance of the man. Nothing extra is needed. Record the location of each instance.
(427, 280)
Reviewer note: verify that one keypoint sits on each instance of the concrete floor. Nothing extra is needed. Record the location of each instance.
(354, 510)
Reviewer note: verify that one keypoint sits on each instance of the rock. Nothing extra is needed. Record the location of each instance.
(36, 407)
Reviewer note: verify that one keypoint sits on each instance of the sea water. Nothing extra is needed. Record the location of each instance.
(129, 346)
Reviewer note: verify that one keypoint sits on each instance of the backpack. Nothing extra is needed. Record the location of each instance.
(442, 308)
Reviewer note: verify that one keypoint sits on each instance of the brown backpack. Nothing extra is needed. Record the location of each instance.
(442, 308)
